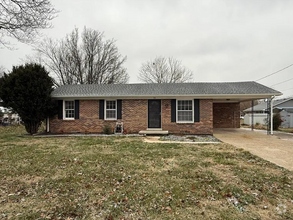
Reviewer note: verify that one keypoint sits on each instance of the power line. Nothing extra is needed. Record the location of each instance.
(287, 89)
(281, 82)
(274, 72)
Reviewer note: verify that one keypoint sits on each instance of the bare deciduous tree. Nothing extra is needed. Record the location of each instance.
(247, 104)
(23, 19)
(2, 71)
(86, 60)
(164, 70)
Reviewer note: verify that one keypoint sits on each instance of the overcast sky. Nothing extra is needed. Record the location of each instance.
(218, 40)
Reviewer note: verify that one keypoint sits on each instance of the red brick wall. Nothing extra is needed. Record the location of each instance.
(89, 120)
(134, 117)
(204, 126)
(226, 115)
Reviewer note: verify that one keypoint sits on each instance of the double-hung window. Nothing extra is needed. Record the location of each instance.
(185, 111)
(69, 110)
(111, 110)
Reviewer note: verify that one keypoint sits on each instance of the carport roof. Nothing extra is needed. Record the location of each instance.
(213, 90)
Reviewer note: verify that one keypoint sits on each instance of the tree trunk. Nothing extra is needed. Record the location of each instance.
(32, 127)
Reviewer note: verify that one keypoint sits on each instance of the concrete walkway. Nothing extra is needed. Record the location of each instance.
(277, 148)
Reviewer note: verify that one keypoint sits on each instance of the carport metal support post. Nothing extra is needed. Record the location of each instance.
(48, 124)
(252, 115)
(272, 113)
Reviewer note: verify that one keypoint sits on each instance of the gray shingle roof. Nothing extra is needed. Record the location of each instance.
(263, 105)
(165, 89)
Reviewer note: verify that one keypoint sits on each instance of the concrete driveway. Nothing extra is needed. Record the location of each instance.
(277, 148)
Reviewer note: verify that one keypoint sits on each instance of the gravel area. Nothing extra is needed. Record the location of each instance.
(190, 138)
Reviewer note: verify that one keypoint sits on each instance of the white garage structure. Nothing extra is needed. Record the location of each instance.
(259, 112)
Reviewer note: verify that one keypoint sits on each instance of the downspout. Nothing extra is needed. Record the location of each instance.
(272, 114)
(252, 122)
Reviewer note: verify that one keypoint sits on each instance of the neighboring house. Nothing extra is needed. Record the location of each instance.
(11, 118)
(186, 108)
(8, 117)
(283, 106)
(287, 117)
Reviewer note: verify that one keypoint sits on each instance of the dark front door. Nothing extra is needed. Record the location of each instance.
(154, 113)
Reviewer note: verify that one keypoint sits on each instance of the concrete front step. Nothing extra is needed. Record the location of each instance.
(154, 132)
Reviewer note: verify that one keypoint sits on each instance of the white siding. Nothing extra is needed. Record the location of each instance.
(257, 118)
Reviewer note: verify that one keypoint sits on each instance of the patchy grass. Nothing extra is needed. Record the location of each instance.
(125, 178)
(256, 126)
(288, 130)
(264, 127)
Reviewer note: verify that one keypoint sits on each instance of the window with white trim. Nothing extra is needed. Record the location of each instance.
(68, 110)
(111, 110)
(185, 111)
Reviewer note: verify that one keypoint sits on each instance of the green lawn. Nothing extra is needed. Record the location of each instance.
(125, 178)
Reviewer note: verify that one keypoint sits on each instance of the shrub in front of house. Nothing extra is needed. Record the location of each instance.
(277, 121)
(107, 129)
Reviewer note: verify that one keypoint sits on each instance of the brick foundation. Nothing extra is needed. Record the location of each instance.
(226, 115)
(134, 117)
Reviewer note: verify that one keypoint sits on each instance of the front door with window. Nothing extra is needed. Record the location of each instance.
(154, 113)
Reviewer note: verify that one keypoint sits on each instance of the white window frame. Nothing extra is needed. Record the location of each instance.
(192, 106)
(64, 110)
(105, 109)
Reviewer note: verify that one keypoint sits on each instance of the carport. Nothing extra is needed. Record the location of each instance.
(226, 108)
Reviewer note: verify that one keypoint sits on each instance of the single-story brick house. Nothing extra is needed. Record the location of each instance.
(189, 108)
